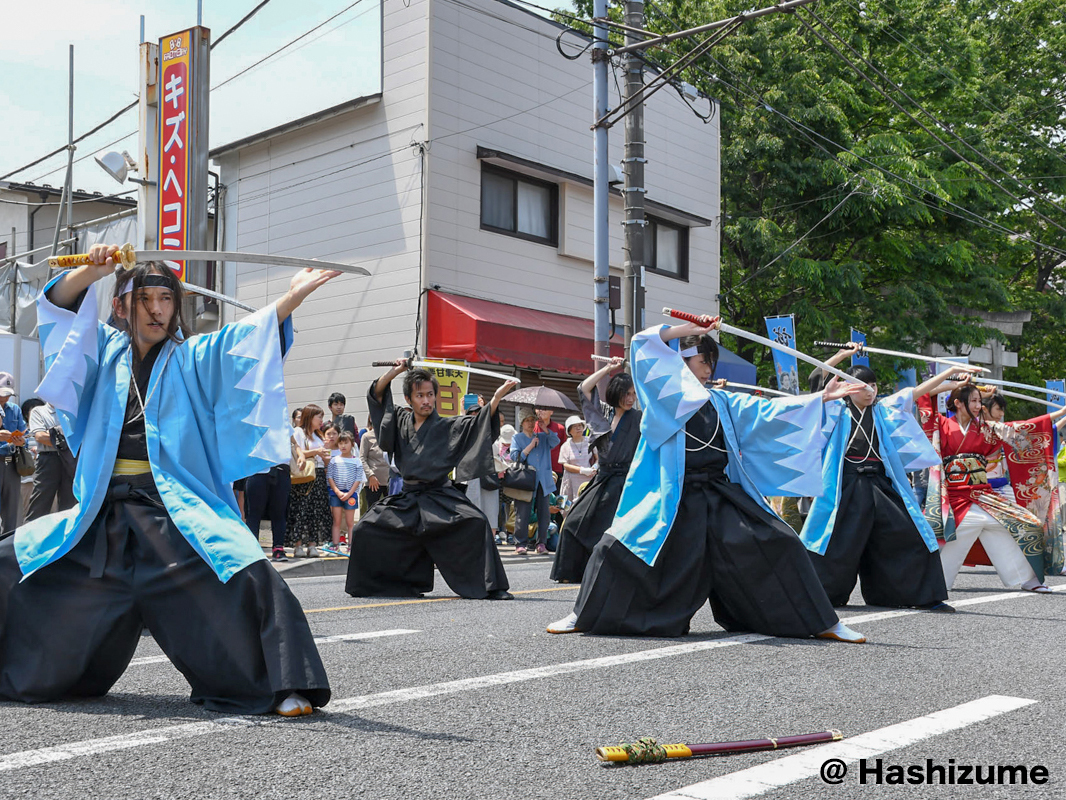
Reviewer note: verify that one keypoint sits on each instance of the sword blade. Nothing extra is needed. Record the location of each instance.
(929, 359)
(754, 337)
(776, 392)
(1021, 396)
(189, 287)
(247, 258)
(1015, 385)
(471, 370)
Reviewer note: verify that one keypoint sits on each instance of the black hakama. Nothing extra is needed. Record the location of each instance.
(593, 510)
(71, 628)
(396, 544)
(723, 547)
(875, 540)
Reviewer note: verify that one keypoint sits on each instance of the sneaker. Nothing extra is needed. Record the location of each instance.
(279, 554)
(541, 549)
(567, 624)
(295, 705)
(519, 550)
(299, 552)
(510, 539)
(312, 552)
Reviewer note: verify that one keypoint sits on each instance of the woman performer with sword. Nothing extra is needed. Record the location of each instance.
(693, 523)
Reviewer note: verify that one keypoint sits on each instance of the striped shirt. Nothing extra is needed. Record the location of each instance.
(345, 472)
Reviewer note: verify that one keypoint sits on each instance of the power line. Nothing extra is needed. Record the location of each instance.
(240, 22)
(925, 113)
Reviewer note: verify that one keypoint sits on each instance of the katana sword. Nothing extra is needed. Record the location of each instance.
(882, 352)
(1015, 385)
(128, 258)
(463, 368)
(1037, 400)
(775, 392)
(648, 751)
(743, 334)
(218, 296)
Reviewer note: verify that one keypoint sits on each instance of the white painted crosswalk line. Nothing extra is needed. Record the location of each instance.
(341, 637)
(173, 732)
(764, 778)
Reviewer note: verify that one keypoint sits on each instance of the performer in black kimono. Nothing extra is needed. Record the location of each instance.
(396, 544)
(693, 524)
(615, 432)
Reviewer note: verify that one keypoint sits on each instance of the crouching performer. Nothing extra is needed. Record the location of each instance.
(163, 425)
(868, 523)
(693, 524)
(396, 544)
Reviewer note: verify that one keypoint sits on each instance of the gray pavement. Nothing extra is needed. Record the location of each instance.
(474, 700)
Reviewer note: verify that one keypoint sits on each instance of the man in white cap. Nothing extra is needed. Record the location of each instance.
(11, 437)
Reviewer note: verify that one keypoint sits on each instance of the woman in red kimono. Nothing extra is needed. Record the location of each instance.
(962, 507)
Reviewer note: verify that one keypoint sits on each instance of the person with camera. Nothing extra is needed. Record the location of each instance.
(53, 477)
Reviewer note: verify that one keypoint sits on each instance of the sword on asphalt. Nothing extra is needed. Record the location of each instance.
(754, 337)
(880, 351)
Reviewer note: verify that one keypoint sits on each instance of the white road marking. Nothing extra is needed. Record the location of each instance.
(807, 764)
(29, 758)
(341, 637)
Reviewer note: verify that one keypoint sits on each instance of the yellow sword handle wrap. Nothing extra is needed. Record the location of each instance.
(620, 754)
(126, 257)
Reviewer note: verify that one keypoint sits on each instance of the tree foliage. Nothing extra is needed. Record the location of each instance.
(897, 230)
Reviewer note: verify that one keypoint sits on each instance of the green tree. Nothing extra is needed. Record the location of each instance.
(897, 230)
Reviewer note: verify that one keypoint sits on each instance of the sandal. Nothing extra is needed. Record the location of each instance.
(1041, 589)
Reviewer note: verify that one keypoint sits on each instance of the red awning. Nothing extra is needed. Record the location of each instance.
(469, 329)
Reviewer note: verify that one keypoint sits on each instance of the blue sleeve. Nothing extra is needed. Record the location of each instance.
(239, 374)
(668, 392)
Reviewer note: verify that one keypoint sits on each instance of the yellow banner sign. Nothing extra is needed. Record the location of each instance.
(453, 385)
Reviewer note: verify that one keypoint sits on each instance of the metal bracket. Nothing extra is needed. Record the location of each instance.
(599, 54)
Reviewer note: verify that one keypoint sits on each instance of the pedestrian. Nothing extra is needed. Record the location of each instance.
(157, 541)
(375, 465)
(501, 448)
(615, 428)
(533, 445)
(430, 522)
(53, 476)
(576, 460)
(346, 476)
(12, 436)
(545, 424)
(342, 421)
(309, 519)
(693, 524)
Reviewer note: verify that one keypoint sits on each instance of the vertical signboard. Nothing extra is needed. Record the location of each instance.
(182, 154)
(783, 331)
(860, 337)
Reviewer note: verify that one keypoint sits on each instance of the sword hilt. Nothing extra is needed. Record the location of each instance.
(836, 345)
(684, 316)
(383, 363)
(125, 257)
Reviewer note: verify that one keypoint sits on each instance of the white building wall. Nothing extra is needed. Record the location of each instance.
(504, 86)
(346, 189)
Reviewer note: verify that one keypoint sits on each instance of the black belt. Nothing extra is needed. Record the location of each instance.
(865, 469)
(614, 469)
(122, 489)
(424, 486)
(706, 475)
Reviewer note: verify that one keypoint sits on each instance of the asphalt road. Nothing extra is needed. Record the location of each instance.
(448, 698)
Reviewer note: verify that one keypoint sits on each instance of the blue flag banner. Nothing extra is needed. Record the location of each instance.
(783, 331)
(908, 378)
(858, 336)
(1056, 394)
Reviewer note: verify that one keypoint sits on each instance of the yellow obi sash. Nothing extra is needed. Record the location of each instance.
(130, 466)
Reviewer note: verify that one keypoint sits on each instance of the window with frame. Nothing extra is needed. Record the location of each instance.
(519, 205)
(666, 248)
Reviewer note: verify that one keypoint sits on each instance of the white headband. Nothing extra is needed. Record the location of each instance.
(690, 352)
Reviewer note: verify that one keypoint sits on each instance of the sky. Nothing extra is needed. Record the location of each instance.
(339, 61)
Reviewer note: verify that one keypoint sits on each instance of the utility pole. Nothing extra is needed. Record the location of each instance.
(68, 185)
(601, 188)
(632, 108)
(633, 190)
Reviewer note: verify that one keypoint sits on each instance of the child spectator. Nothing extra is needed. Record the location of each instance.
(346, 477)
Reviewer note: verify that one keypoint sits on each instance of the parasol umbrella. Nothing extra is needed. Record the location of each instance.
(540, 397)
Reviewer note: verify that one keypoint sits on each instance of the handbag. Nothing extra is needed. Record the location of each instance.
(24, 461)
(520, 475)
(490, 482)
(297, 475)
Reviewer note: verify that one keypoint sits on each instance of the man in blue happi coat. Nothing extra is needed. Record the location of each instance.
(162, 424)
